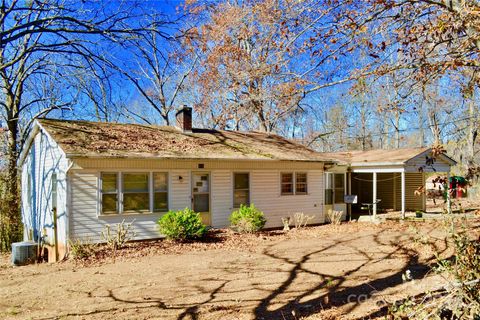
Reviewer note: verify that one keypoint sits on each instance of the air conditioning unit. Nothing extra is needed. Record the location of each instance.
(23, 253)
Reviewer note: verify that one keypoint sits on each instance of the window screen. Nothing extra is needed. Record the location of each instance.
(300, 183)
(135, 192)
(109, 193)
(287, 183)
(241, 189)
(160, 191)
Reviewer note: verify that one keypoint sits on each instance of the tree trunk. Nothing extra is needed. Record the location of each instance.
(10, 218)
(397, 129)
(421, 127)
(472, 133)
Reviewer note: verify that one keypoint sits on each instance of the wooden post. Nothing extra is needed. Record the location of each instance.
(449, 200)
(403, 194)
(55, 233)
(374, 195)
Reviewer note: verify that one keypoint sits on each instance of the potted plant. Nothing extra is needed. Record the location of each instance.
(418, 214)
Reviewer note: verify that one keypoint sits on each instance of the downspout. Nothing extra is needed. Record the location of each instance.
(67, 205)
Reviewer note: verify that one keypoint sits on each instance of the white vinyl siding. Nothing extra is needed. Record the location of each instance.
(85, 221)
(221, 197)
(44, 161)
(264, 193)
(180, 194)
(275, 206)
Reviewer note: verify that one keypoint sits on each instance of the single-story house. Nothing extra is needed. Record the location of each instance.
(78, 176)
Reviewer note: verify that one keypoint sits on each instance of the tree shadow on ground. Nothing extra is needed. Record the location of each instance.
(286, 296)
(338, 294)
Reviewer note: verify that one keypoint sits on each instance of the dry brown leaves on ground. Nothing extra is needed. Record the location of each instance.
(225, 239)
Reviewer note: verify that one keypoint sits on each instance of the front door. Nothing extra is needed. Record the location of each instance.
(201, 196)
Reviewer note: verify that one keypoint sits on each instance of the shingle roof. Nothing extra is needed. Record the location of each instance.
(97, 139)
(394, 156)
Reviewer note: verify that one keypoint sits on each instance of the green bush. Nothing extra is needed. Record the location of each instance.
(247, 219)
(182, 225)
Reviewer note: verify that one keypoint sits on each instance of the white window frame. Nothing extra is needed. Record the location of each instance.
(293, 183)
(330, 176)
(120, 193)
(149, 192)
(100, 194)
(294, 180)
(249, 187)
(335, 188)
(152, 192)
(306, 183)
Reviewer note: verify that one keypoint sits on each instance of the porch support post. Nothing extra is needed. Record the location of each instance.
(349, 191)
(449, 200)
(403, 194)
(374, 195)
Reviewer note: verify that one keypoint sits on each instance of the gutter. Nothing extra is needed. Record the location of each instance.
(153, 157)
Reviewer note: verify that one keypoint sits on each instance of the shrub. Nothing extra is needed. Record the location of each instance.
(301, 220)
(286, 223)
(247, 219)
(116, 239)
(82, 248)
(182, 225)
(459, 298)
(334, 217)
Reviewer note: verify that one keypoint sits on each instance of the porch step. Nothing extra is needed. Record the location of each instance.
(371, 219)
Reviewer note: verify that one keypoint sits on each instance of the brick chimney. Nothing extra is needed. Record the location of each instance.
(184, 118)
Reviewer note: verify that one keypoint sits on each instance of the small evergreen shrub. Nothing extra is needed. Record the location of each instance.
(182, 225)
(247, 219)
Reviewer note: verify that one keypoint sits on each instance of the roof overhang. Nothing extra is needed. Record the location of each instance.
(417, 163)
(74, 156)
(28, 143)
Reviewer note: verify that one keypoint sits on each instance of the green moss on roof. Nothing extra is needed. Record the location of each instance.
(100, 139)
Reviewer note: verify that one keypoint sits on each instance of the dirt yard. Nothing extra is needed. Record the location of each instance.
(350, 271)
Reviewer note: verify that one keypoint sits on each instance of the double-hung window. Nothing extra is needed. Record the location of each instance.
(134, 192)
(334, 188)
(109, 193)
(287, 183)
(339, 188)
(300, 183)
(160, 191)
(293, 183)
(328, 188)
(241, 189)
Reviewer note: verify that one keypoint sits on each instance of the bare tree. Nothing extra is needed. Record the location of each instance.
(42, 42)
(160, 73)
